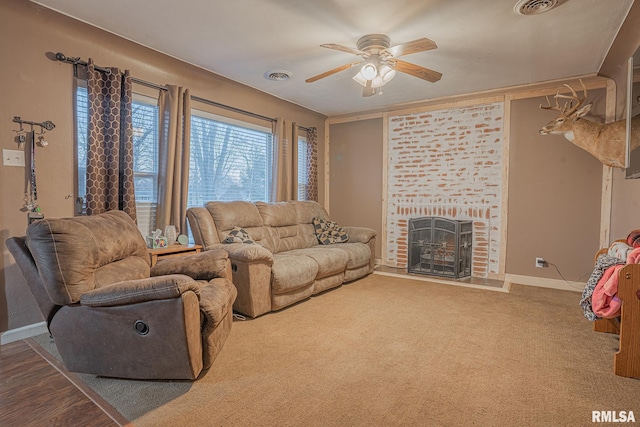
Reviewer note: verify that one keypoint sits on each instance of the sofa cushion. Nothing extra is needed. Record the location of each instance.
(308, 234)
(281, 221)
(329, 232)
(227, 215)
(277, 214)
(291, 272)
(356, 273)
(330, 261)
(359, 254)
(290, 238)
(307, 210)
(321, 285)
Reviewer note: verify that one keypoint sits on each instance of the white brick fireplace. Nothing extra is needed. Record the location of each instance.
(447, 163)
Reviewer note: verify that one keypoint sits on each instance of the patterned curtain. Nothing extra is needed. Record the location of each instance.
(175, 142)
(109, 143)
(312, 162)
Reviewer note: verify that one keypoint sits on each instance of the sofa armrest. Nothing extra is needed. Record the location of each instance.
(251, 269)
(203, 228)
(201, 266)
(246, 252)
(360, 234)
(140, 290)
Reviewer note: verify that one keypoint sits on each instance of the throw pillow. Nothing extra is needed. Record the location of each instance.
(328, 232)
(237, 235)
(633, 239)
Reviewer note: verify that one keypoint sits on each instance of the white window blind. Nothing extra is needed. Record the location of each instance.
(145, 154)
(229, 160)
(303, 168)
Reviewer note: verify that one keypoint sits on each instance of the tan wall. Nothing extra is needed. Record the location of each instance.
(554, 198)
(38, 89)
(554, 189)
(356, 175)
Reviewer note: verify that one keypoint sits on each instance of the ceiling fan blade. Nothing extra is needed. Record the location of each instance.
(419, 45)
(330, 72)
(417, 71)
(368, 89)
(344, 49)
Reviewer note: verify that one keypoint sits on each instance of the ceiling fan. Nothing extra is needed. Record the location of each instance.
(380, 61)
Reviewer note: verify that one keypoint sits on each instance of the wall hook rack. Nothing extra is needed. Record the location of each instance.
(48, 125)
(31, 194)
(22, 133)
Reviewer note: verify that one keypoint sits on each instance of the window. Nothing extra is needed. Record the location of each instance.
(145, 155)
(303, 168)
(229, 160)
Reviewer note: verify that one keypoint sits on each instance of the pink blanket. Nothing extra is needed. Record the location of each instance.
(634, 256)
(605, 301)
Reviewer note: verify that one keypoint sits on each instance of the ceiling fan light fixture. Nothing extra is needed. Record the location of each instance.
(381, 78)
(386, 74)
(376, 82)
(361, 80)
(369, 71)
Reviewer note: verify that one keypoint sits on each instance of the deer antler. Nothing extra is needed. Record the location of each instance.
(568, 107)
(551, 107)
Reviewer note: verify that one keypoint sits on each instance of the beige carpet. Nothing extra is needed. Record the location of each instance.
(386, 351)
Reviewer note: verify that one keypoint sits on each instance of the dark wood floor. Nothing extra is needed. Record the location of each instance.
(34, 392)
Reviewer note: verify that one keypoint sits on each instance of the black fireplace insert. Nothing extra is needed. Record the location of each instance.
(440, 247)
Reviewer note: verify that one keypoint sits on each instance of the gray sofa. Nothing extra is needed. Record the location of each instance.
(285, 263)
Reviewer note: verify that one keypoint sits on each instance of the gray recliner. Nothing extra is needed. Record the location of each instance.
(110, 314)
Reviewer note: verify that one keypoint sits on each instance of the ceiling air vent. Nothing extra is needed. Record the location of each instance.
(535, 7)
(278, 75)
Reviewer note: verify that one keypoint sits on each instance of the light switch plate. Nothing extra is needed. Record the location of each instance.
(12, 157)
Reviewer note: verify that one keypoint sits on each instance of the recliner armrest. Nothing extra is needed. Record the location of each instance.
(201, 266)
(360, 234)
(140, 290)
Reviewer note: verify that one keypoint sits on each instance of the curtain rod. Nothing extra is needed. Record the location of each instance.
(234, 109)
(77, 61)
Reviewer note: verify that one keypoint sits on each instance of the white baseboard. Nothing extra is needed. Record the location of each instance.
(435, 279)
(543, 282)
(23, 332)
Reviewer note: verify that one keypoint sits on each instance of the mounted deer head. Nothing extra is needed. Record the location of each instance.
(605, 141)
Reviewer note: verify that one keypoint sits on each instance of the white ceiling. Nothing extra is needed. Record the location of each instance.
(482, 44)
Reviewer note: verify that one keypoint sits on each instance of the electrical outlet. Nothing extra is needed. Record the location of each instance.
(540, 263)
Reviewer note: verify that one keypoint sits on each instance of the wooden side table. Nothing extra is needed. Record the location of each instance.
(172, 251)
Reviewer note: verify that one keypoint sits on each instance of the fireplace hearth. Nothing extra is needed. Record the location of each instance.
(440, 247)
